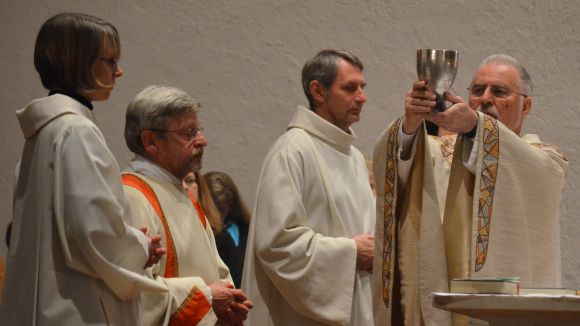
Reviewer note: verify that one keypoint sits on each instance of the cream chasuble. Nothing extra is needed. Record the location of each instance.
(502, 220)
(191, 251)
(313, 197)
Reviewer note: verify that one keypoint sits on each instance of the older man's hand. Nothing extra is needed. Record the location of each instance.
(458, 118)
(418, 105)
(230, 305)
(156, 252)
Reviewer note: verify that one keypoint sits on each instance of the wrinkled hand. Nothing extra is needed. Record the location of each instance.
(458, 118)
(418, 105)
(365, 252)
(230, 305)
(156, 252)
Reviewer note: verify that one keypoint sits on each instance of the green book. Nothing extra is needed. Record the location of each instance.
(500, 285)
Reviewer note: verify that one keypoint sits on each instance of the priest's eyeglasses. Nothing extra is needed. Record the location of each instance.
(187, 134)
(498, 91)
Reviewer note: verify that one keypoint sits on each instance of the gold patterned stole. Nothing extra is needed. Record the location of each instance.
(488, 178)
(388, 217)
(400, 205)
(466, 248)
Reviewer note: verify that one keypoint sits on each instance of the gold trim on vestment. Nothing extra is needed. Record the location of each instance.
(490, 163)
(388, 212)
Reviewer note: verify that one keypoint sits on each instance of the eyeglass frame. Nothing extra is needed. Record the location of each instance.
(112, 62)
(491, 86)
(188, 135)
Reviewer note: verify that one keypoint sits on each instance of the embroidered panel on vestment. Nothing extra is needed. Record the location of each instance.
(546, 146)
(447, 144)
(486, 189)
(192, 310)
(388, 218)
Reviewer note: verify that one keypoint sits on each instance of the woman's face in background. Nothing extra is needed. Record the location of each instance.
(189, 183)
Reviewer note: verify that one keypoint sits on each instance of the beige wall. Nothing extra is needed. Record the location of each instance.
(243, 60)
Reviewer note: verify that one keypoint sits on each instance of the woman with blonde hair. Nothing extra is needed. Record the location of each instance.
(231, 242)
(197, 187)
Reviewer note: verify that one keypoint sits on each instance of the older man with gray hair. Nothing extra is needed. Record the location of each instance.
(483, 202)
(163, 130)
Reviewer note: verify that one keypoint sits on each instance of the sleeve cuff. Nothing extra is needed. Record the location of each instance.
(406, 144)
(206, 290)
(471, 134)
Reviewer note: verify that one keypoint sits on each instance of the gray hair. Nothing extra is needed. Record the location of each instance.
(525, 79)
(152, 109)
(324, 67)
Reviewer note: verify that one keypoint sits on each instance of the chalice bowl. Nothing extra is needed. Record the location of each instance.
(438, 68)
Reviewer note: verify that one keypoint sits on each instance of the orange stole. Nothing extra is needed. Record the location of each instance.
(196, 306)
(171, 266)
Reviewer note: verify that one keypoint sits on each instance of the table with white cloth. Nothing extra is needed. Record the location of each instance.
(504, 309)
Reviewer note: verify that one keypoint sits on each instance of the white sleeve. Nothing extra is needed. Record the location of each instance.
(91, 217)
(406, 145)
(299, 261)
(470, 150)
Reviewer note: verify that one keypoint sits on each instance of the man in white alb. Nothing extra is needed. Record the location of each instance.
(310, 246)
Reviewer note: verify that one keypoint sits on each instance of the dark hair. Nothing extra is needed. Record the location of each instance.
(324, 67)
(67, 47)
(227, 198)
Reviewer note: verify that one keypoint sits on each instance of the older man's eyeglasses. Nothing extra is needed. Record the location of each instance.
(496, 90)
(111, 62)
(187, 134)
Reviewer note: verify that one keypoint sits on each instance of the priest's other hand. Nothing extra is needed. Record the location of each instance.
(365, 252)
(241, 306)
(418, 104)
(230, 305)
(156, 252)
(458, 118)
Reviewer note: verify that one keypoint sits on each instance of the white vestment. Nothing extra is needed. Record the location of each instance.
(191, 250)
(499, 218)
(73, 259)
(313, 196)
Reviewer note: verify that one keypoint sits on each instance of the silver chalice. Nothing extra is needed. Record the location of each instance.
(438, 68)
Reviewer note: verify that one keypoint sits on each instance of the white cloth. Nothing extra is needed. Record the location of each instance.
(313, 196)
(146, 167)
(198, 262)
(73, 259)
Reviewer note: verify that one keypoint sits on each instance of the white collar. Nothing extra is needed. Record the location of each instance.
(314, 124)
(148, 168)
